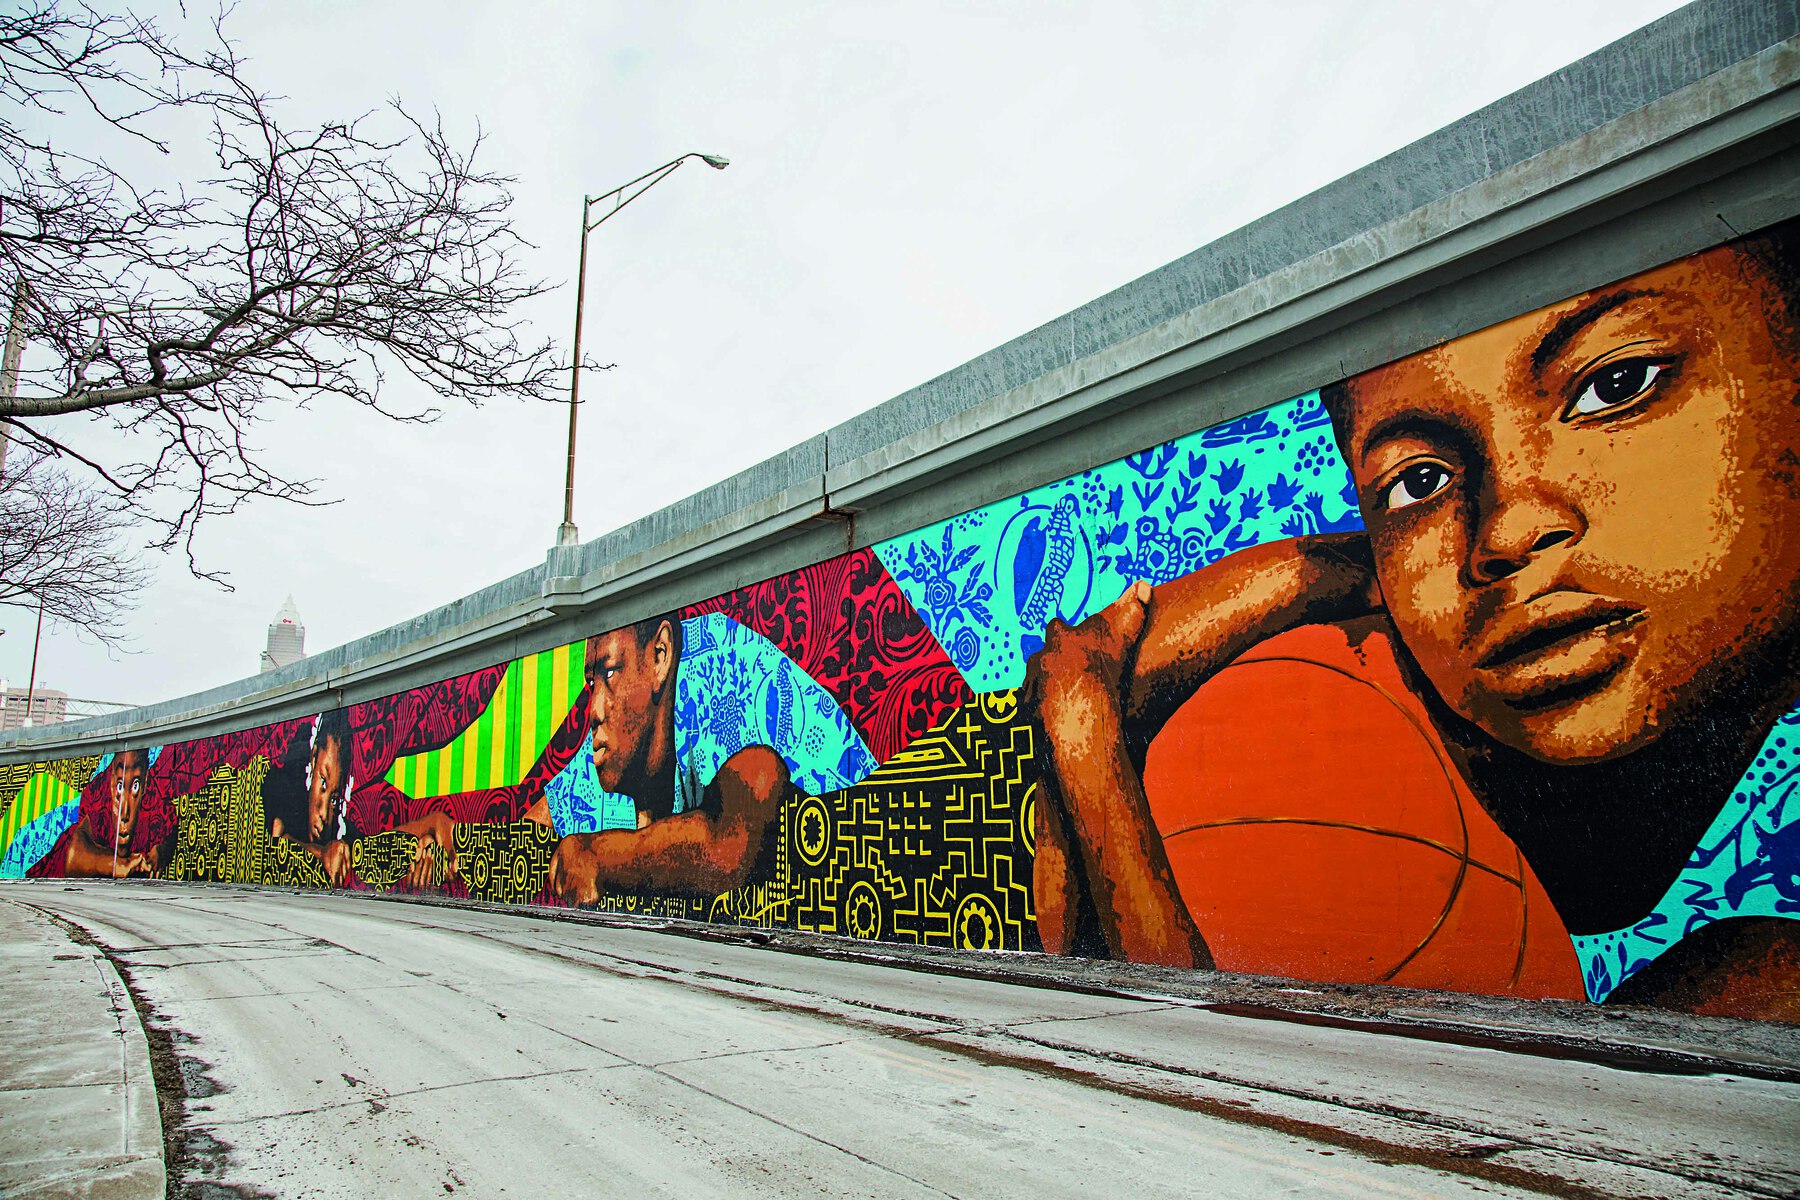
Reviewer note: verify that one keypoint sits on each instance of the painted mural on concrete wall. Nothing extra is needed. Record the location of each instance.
(1476, 671)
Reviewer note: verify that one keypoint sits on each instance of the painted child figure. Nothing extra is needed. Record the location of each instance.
(123, 827)
(704, 727)
(307, 803)
(1583, 526)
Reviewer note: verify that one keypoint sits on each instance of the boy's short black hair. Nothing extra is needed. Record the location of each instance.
(335, 725)
(646, 630)
(1777, 250)
(1336, 399)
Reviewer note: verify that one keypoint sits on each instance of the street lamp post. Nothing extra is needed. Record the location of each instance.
(31, 689)
(625, 193)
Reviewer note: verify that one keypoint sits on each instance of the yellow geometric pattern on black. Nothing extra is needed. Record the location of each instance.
(504, 864)
(74, 772)
(933, 848)
(285, 864)
(381, 860)
(219, 832)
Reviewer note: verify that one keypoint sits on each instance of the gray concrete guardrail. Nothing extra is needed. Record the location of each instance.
(1683, 134)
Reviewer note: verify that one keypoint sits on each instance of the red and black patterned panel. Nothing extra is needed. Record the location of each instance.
(416, 720)
(385, 806)
(848, 625)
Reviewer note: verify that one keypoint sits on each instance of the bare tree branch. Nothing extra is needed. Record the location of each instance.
(61, 544)
(310, 262)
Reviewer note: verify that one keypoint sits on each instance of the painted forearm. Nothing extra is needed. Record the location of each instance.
(161, 853)
(1202, 621)
(1138, 906)
(688, 852)
(85, 857)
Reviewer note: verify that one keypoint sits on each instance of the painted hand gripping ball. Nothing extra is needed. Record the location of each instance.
(1317, 830)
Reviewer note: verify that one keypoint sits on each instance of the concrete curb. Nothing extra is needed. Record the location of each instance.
(78, 1104)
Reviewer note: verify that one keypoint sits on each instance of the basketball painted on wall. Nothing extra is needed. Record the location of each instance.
(1317, 831)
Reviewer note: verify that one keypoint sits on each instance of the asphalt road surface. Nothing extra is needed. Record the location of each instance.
(336, 1046)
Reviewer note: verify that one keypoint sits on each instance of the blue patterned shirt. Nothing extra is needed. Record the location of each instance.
(1746, 865)
(734, 688)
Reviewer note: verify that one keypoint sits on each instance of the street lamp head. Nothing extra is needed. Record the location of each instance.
(717, 162)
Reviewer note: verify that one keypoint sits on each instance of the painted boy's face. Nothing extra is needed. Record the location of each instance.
(325, 789)
(1585, 518)
(625, 678)
(126, 780)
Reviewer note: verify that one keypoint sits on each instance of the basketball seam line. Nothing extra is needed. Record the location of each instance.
(1350, 825)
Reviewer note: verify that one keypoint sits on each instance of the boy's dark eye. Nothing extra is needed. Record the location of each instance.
(1415, 483)
(1614, 385)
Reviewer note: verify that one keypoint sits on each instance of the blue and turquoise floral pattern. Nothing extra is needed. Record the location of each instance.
(1747, 865)
(734, 688)
(578, 804)
(989, 581)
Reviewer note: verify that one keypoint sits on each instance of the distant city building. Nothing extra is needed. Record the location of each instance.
(287, 638)
(48, 706)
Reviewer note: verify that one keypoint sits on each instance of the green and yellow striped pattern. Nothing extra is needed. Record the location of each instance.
(506, 739)
(41, 793)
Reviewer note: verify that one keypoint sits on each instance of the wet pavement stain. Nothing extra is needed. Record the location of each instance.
(194, 1160)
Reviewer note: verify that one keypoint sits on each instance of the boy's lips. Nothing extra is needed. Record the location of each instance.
(1555, 646)
(1542, 624)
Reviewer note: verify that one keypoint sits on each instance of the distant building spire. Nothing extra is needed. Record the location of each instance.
(287, 638)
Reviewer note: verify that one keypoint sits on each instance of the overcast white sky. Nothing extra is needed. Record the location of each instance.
(911, 184)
